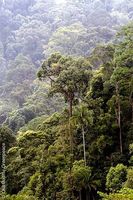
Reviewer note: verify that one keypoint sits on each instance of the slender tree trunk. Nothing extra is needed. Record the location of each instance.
(71, 146)
(80, 195)
(119, 116)
(84, 148)
(93, 198)
(87, 195)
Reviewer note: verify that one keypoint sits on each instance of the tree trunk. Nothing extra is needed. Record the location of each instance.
(70, 134)
(84, 148)
(87, 195)
(119, 116)
(71, 146)
(80, 195)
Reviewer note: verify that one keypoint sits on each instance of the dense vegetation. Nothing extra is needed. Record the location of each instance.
(31, 30)
(68, 125)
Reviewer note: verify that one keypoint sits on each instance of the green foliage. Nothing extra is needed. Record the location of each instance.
(32, 30)
(124, 194)
(69, 76)
(18, 197)
(8, 139)
(81, 175)
(69, 40)
(61, 154)
(6, 136)
(131, 154)
(33, 124)
(129, 182)
(116, 177)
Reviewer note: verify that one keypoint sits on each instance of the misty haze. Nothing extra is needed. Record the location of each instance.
(66, 99)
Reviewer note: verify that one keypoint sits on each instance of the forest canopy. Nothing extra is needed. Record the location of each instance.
(66, 100)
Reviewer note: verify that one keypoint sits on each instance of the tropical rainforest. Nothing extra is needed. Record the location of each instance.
(66, 100)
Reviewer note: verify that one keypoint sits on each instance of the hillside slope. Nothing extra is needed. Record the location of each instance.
(31, 30)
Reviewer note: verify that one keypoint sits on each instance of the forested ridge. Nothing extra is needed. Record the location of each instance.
(66, 99)
(31, 31)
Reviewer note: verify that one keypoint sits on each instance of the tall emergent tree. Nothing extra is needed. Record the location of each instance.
(68, 76)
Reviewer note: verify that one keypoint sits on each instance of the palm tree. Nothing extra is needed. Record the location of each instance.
(83, 180)
(82, 117)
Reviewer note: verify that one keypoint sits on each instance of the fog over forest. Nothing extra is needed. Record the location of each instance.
(30, 30)
(57, 59)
